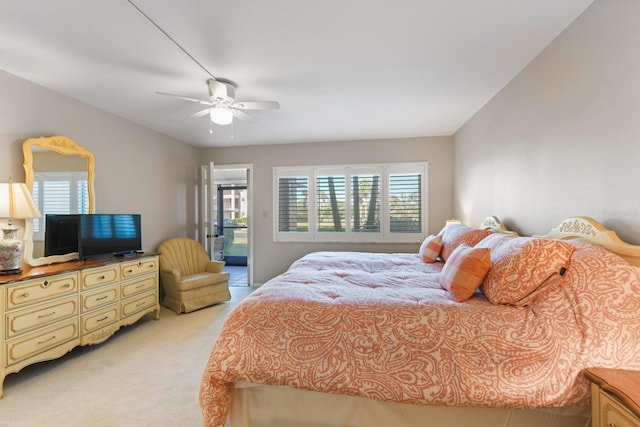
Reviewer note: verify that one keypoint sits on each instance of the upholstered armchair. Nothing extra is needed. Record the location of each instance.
(189, 278)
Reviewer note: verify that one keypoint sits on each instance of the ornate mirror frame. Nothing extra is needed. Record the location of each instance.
(61, 145)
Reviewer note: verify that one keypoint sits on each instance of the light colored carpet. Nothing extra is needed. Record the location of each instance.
(147, 374)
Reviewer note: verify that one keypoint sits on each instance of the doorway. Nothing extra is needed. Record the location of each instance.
(231, 222)
(230, 216)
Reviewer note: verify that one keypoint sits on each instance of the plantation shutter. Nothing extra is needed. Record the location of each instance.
(59, 193)
(293, 204)
(405, 203)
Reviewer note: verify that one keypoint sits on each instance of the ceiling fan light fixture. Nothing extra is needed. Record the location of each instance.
(221, 115)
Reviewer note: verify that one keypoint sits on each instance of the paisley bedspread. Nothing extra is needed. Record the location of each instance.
(381, 326)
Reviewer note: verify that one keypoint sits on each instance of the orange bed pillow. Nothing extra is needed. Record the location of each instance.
(430, 248)
(464, 270)
(520, 265)
(455, 234)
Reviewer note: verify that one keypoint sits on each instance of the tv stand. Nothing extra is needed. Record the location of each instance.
(49, 310)
(125, 254)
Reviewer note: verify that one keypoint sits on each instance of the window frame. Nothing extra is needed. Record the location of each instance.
(384, 170)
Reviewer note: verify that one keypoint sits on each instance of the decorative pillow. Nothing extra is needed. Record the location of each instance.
(430, 248)
(455, 234)
(519, 265)
(464, 270)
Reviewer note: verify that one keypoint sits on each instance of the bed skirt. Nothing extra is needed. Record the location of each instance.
(282, 406)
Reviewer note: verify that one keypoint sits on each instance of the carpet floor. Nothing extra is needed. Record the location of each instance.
(147, 374)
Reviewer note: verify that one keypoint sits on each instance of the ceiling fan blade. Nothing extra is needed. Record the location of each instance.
(199, 101)
(201, 113)
(256, 105)
(242, 115)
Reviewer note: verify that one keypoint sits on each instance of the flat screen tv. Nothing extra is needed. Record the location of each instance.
(60, 234)
(109, 234)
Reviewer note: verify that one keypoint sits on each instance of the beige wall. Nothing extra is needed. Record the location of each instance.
(271, 258)
(137, 170)
(140, 171)
(563, 138)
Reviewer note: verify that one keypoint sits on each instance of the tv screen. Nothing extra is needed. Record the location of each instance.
(60, 234)
(109, 234)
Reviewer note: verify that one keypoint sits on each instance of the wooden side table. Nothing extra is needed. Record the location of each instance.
(615, 397)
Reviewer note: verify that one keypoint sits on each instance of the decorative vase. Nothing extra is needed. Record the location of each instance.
(10, 252)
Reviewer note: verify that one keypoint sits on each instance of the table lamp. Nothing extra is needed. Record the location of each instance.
(15, 202)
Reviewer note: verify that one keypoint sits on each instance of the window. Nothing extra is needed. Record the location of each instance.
(354, 203)
(59, 193)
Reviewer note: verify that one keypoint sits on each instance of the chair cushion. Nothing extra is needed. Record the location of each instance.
(199, 280)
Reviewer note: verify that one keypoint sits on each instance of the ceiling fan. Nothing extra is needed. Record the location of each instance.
(222, 106)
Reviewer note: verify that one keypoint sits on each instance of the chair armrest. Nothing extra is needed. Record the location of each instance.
(171, 274)
(214, 266)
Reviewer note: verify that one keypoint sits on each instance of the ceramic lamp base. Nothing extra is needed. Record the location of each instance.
(10, 252)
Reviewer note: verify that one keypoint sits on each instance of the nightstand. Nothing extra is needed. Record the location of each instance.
(615, 397)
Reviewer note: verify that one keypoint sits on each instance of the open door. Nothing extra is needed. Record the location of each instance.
(207, 206)
(232, 216)
(225, 210)
(231, 221)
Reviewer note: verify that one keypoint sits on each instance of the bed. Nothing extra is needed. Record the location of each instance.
(367, 339)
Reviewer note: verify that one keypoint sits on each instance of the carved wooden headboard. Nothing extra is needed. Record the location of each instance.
(493, 223)
(586, 228)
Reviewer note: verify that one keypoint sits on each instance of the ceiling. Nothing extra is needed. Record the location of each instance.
(341, 69)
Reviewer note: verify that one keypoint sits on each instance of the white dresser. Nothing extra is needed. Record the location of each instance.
(615, 397)
(47, 311)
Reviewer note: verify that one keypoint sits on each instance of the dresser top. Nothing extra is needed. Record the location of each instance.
(621, 383)
(66, 267)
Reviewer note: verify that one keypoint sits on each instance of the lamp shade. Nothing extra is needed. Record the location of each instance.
(16, 201)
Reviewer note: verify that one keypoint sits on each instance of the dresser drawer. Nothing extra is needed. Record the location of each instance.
(31, 291)
(37, 342)
(99, 276)
(136, 286)
(138, 268)
(139, 304)
(19, 321)
(99, 298)
(613, 413)
(99, 319)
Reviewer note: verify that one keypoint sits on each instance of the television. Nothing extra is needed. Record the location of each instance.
(60, 234)
(109, 234)
(92, 235)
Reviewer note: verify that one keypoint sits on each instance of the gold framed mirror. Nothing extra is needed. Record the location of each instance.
(54, 155)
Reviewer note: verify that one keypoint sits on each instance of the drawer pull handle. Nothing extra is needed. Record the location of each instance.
(53, 337)
(139, 263)
(25, 295)
(101, 278)
(130, 270)
(45, 283)
(67, 285)
(102, 297)
(140, 304)
(46, 315)
(103, 319)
